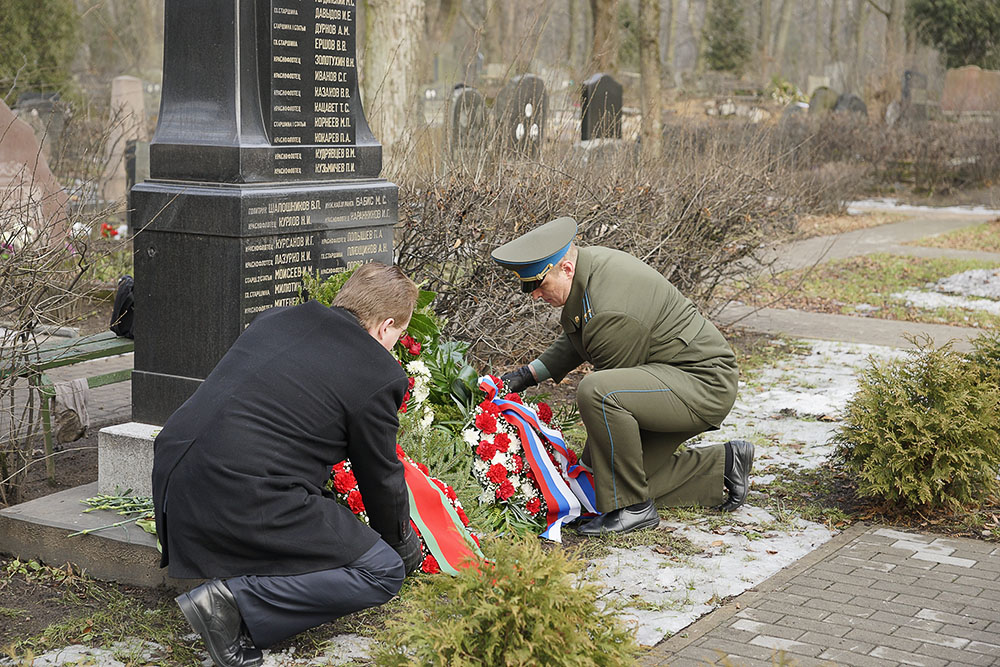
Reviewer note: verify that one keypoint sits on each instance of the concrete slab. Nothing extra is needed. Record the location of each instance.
(844, 328)
(38, 529)
(125, 458)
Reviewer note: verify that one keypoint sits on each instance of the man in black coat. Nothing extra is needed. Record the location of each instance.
(239, 472)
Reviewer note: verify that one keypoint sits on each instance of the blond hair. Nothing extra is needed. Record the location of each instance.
(376, 292)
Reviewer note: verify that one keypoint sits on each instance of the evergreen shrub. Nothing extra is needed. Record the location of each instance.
(924, 431)
(525, 607)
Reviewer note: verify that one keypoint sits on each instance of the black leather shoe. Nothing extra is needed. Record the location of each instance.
(211, 610)
(621, 521)
(737, 481)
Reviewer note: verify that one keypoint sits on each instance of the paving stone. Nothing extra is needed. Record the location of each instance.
(972, 579)
(976, 611)
(879, 639)
(907, 658)
(708, 655)
(804, 624)
(826, 641)
(741, 633)
(907, 621)
(755, 614)
(966, 571)
(979, 547)
(842, 607)
(894, 606)
(758, 628)
(787, 645)
(924, 603)
(893, 559)
(742, 650)
(945, 560)
(787, 598)
(982, 635)
(975, 601)
(834, 568)
(860, 563)
(951, 654)
(924, 575)
(891, 578)
(953, 619)
(800, 611)
(820, 593)
(931, 637)
(687, 662)
(861, 591)
(985, 647)
(895, 535)
(956, 588)
(871, 623)
(842, 657)
(993, 627)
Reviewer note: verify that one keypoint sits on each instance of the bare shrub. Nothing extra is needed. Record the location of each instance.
(700, 216)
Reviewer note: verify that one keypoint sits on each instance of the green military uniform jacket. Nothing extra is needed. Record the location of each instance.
(621, 313)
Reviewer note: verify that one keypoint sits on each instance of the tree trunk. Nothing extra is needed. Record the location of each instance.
(894, 35)
(817, 60)
(604, 55)
(649, 72)
(697, 36)
(670, 69)
(493, 31)
(390, 66)
(835, 31)
(440, 17)
(572, 42)
(781, 38)
(764, 37)
(859, 22)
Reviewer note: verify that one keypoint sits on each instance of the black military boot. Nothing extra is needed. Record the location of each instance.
(737, 477)
(211, 610)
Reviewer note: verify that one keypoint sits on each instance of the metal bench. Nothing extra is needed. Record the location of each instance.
(33, 364)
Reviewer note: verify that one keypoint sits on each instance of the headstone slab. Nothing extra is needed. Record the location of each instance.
(30, 196)
(257, 176)
(262, 91)
(971, 90)
(822, 101)
(466, 118)
(851, 103)
(601, 108)
(128, 123)
(521, 110)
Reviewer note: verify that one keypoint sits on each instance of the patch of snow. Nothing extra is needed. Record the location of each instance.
(664, 593)
(340, 650)
(977, 282)
(931, 300)
(120, 654)
(866, 205)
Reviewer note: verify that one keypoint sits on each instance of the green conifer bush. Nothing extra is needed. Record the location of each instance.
(526, 607)
(924, 431)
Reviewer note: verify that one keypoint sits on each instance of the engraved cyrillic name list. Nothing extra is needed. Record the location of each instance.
(314, 77)
(294, 237)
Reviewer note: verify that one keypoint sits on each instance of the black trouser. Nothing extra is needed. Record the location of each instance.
(278, 607)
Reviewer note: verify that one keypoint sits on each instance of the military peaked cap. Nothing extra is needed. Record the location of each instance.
(534, 253)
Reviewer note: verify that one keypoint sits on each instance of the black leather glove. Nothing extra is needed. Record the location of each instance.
(409, 550)
(519, 380)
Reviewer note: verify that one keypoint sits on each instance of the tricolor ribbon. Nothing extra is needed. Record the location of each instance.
(568, 490)
(438, 523)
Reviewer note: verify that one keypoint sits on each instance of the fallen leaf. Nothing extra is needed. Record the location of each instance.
(717, 543)
(771, 551)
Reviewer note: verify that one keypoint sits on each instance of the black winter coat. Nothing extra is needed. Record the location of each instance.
(239, 470)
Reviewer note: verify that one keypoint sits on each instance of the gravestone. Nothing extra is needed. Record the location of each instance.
(813, 82)
(850, 103)
(466, 119)
(32, 203)
(45, 113)
(970, 90)
(822, 101)
(127, 123)
(601, 108)
(521, 109)
(914, 98)
(262, 168)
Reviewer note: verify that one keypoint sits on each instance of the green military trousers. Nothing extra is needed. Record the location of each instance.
(635, 423)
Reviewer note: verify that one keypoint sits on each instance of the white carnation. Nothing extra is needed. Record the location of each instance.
(471, 437)
(480, 466)
(428, 418)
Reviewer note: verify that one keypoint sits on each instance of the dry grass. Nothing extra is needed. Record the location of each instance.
(984, 237)
(809, 226)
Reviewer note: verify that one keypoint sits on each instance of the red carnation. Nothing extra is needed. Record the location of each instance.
(450, 493)
(354, 502)
(514, 398)
(486, 423)
(544, 412)
(422, 468)
(534, 505)
(343, 482)
(415, 348)
(410, 382)
(502, 441)
(430, 565)
(518, 463)
(462, 515)
(505, 491)
(486, 451)
(402, 408)
(530, 475)
(497, 473)
(406, 341)
(490, 407)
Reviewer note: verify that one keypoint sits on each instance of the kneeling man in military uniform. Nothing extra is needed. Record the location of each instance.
(663, 374)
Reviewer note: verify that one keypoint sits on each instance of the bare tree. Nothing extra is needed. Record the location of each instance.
(764, 37)
(669, 60)
(604, 55)
(781, 36)
(390, 65)
(698, 34)
(835, 28)
(649, 71)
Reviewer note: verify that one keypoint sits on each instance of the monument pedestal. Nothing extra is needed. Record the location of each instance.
(125, 459)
